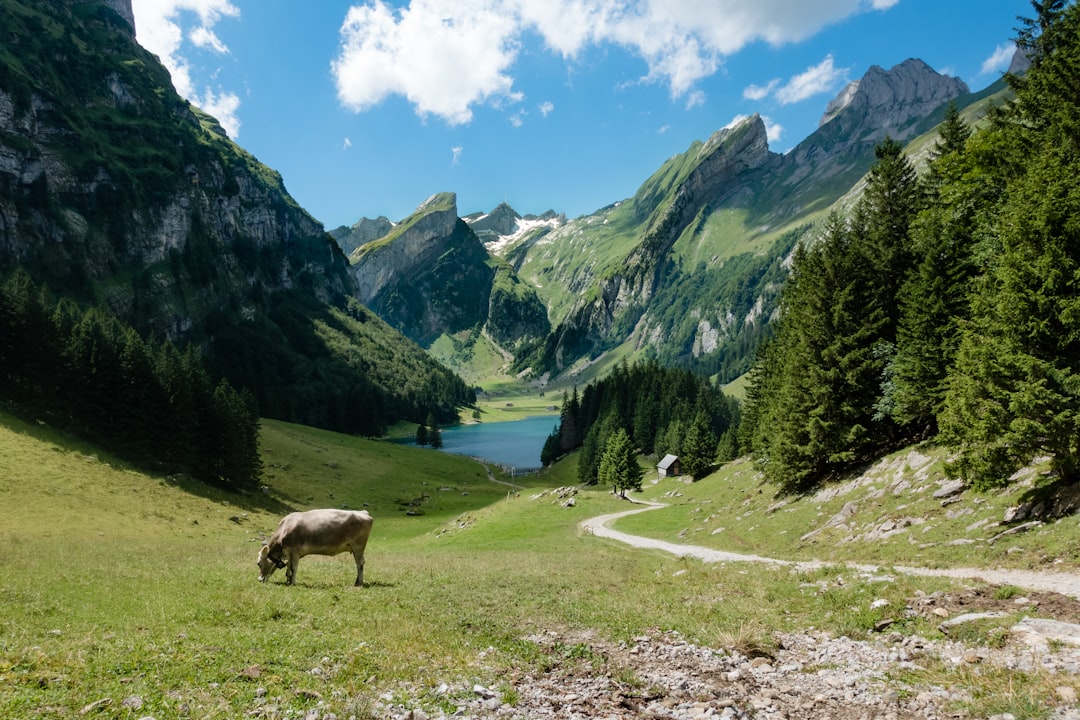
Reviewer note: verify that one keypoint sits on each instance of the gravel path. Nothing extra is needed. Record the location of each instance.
(811, 675)
(1064, 583)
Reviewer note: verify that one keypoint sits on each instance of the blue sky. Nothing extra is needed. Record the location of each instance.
(368, 108)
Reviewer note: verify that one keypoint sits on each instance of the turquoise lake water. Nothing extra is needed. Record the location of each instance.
(515, 444)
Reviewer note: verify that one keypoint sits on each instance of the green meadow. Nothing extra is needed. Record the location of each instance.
(128, 595)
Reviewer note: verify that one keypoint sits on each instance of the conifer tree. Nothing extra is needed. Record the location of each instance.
(934, 300)
(699, 447)
(618, 464)
(1014, 392)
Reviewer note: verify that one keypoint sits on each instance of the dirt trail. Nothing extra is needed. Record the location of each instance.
(1064, 583)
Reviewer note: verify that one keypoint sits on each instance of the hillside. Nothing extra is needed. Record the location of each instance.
(116, 192)
(483, 589)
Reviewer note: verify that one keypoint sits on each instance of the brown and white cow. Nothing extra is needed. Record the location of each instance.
(315, 532)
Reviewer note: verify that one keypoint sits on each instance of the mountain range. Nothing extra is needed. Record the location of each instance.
(116, 192)
(687, 270)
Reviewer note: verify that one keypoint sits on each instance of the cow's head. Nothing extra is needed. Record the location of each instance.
(268, 564)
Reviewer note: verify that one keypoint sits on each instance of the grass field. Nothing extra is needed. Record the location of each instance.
(128, 595)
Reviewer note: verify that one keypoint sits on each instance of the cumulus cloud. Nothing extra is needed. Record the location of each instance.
(443, 56)
(999, 61)
(448, 56)
(823, 77)
(547, 107)
(760, 92)
(158, 28)
(773, 130)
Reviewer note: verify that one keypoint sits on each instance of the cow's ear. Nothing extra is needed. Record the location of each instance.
(264, 551)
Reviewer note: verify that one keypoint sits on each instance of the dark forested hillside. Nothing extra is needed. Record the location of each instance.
(118, 194)
(945, 306)
(659, 410)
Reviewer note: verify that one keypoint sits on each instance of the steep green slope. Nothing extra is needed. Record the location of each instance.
(688, 270)
(115, 191)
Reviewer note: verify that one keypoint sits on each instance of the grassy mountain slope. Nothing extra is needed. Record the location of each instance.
(717, 270)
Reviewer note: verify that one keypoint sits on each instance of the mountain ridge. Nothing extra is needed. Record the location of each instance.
(727, 205)
(117, 192)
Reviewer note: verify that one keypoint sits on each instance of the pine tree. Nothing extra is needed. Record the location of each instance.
(1014, 392)
(569, 432)
(699, 448)
(422, 437)
(618, 464)
(934, 302)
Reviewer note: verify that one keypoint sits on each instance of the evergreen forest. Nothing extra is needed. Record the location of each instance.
(149, 403)
(944, 306)
(644, 408)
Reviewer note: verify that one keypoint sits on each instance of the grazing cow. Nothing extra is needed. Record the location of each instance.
(315, 532)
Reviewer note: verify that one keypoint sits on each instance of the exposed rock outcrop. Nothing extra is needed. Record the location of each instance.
(723, 166)
(414, 244)
(889, 100)
(432, 276)
(364, 230)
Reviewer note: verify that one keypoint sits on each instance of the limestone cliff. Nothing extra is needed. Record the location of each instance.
(431, 276)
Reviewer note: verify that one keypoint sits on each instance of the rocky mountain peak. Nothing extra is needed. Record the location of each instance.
(503, 220)
(890, 98)
(414, 242)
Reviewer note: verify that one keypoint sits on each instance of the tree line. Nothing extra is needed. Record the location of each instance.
(643, 409)
(151, 404)
(945, 306)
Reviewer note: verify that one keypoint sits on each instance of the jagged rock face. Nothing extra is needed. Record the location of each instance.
(503, 220)
(416, 243)
(432, 276)
(364, 230)
(889, 100)
(195, 220)
(123, 9)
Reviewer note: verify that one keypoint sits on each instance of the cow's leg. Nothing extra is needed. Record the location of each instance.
(290, 571)
(359, 556)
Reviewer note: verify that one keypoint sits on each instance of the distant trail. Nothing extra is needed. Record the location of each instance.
(1064, 583)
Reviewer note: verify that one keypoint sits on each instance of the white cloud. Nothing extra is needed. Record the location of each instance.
(448, 56)
(820, 78)
(694, 99)
(347, 144)
(760, 92)
(773, 130)
(444, 56)
(547, 107)
(455, 153)
(999, 61)
(158, 29)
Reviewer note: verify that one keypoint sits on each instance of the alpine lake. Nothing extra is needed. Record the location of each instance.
(514, 444)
